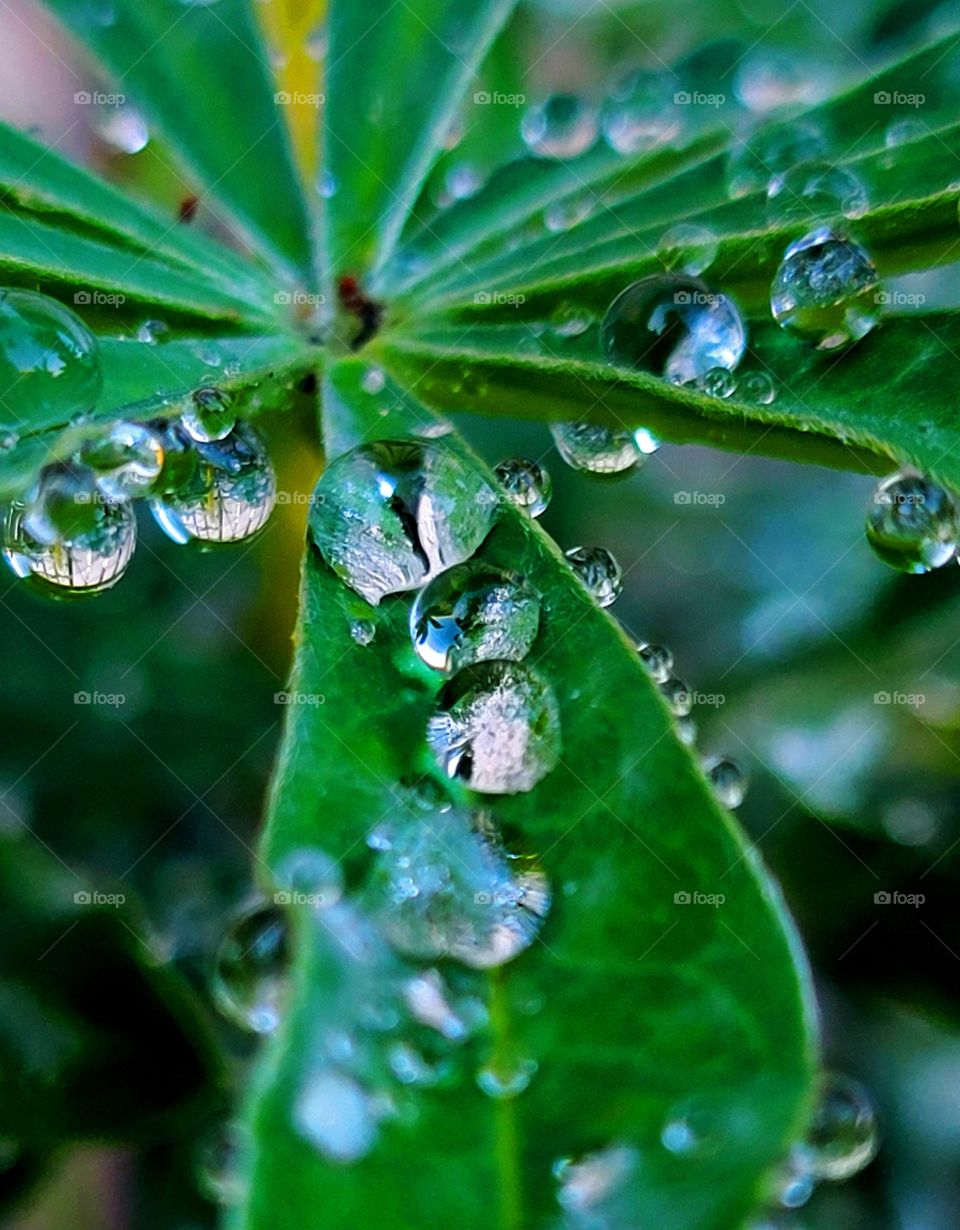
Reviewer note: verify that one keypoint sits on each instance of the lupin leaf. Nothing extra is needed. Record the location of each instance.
(623, 1004)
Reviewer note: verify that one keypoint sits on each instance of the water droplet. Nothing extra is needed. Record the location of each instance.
(126, 460)
(390, 516)
(327, 185)
(211, 415)
(8, 440)
(570, 320)
(825, 290)
(363, 631)
(718, 382)
(673, 326)
(250, 970)
(757, 387)
(595, 449)
(569, 211)
(759, 163)
(222, 1162)
(49, 359)
(336, 1115)
(228, 498)
(842, 1137)
(474, 614)
(816, 190)
(151, 332)
(589, 1182)
(686, 729)
(728, 780)
(639, 114)
(913, 523)
(374, 380)
(122, 127)
(461, 182)
(677, 695)
(657, 660)
(526, 483)
(426, 998)
(497, 728)
(598, 571)
(562, 126)
(506, 1080)
(688, 249)
(901, 132)
(309, 877)
(692, 1129)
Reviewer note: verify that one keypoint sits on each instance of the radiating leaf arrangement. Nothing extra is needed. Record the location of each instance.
(517, 962)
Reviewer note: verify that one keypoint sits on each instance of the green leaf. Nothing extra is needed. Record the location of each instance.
(622, 1003)
(175, 60)
(396, 74)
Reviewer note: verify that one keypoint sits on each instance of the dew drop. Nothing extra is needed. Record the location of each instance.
(692, 1129)
(309, 876)
(657, 660)
(599, 572)
(49, 360)
(562, 126)
(596, 449)
(569, 320)
(816, 190)
(760, 162)
(497, 728)
(728, 780)
(506, 1080)
(913, 523)
(336, 1115)
(222, 1161)
(639, 114)
(250, 969)
(126, 460)
(688, 249)
(719, 382)
(842, 1137)
(363, 631)
(327, 185)
(901, 132)
(825, 290)
(589, 1182)
(673, 326)
(757, 387)
(686, 729)
(211, 415)
(526, 484)
(123, 128)
(391, 515)
(677, 695)
(151, 332)
(374, 380)
(426, 998)
(569, 211)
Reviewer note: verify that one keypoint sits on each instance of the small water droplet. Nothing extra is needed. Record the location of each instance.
(569, 320)
(569, 211)
(210, 416)
(757, 387)
(363, 631)
(718, 382)
(760, 161)
(126, 460)
(310, 877)
(728, 780)
(842, 1136)
(688, 249)
(250, 970)
(327, 185)
(693, 1129)
(686, 729)
(49, 360)
(426, 998)
(506, 1080)
(599, 572)
(816, 190)
(825, 290)
(336, 1115)
(900, 132)
(657, 660)
(640, 112)
(677, 695)
(222, 1161)
(526, 483)
(122, 127)
(589, 1182)
(374, 380)
(913, 523)
(151, 332)
(562, 126)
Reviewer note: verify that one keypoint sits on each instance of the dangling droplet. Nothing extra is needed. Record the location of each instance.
(598, 450)
(677, 695)
(250, 971)
(474, 614)
(728, 780)
(374, 380)
(210, 416)
(598, 571)
(569, 211)
(151, 332)
(640, 112)
(562, 126)
(657, 660)
(229, 496)
(825, 290)
(673, 326)
(126, 460)
(913, 523)
(391, 515)
(688, 249)
(526, 483)
(842, 1137)
(49, 360)
(497, 728)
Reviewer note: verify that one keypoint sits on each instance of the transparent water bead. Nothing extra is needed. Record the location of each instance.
(673, 326)
(601, 450)
(689, 249)
(228, 497)
(825, 290)
(391, 515)
(562, 126)
(126, 460)
(677, 695)
(526, 483)
(693, 1128)
(728, 780)
(452, 889)
(363, 631)
(474, 614)
(210, 416)
(588, 1183)
(222, 1164)
(760, 162)
(639, 113)
(569, 211)
(598, 571)
(842, 1136)
(816, 190)
(757, 387)
(504, 1081)
(568, 320)
(336, 1115)
(913, 524)
(657, 660)
(49, 360)
(426, 998)
(250, 969)
(497, 728)
(63, 503)
(718, 382)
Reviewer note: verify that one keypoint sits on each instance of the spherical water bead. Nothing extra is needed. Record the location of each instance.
(250, 969)
(688, 249)
(597, 450)
(497, 728)
(474, 614)
(336, 1115)
(589, 1183)
(757, 387)
(391, 515)
(718, 382)
(657, 660)
(569, 320)
(126, 460)
(598, 571)
(562, 126)
(569, 211)
(673, 326)
(210, 416)
(49, 361)
(62, 504)
(152, 332)
(760, 162)
(374, 380)
(506, 1080)
(686, 730)
(639, 114)
(842, 1136)
(816, 190)
(677, 695)
(913, 523)
(363, 631)
(728, 780)
(825, 290)
(228, 498)
(526, 483)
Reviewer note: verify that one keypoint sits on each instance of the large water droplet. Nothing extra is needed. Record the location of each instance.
(639, 114)
(913, 523)
(600, 450)
(126, 460)
(562, 126)
(497, 728)
(526, 484)
(250, 970)
(825, 290)
(673, 326)
(599, 572)
(390, 516)
(842, 1136)
(229, 496)
(473, 614)
(210, 416)
(49, 359)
